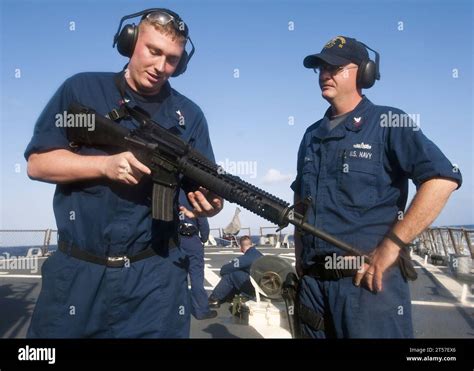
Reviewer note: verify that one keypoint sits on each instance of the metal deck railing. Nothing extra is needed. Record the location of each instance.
(439, 241)
(445, 241)
(28, 238)
(451, 247)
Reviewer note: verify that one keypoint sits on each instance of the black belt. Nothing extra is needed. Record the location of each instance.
(110, 261)
(319, 271)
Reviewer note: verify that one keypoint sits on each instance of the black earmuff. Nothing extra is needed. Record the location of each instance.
(126, 38)
(368, 71)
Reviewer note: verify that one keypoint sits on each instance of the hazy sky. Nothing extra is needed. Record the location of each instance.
(247, 76)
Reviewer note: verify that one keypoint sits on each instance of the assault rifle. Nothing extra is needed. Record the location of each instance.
(173, 161)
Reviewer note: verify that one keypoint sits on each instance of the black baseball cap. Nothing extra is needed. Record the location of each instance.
(339, 51)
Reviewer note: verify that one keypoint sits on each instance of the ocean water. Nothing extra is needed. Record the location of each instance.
(465, 226)
(10, 251)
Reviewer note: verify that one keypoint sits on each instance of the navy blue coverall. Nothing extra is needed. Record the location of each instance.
(193, 247)
(357, 177)
(149, 298)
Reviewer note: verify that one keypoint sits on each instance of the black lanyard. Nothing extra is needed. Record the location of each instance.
(125, 110)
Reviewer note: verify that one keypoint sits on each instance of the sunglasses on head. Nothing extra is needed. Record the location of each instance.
(163, 18)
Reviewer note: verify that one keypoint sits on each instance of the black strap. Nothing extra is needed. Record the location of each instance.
(404, 261)
(139, 115)
(122, 112)
(395, 239)
(310, 317)
(119, 80)
(111, 261)
(406, 265)
(125, 110)
(117, 113)
(319, 271)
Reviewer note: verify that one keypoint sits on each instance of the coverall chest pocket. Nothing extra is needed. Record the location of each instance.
(357, 177)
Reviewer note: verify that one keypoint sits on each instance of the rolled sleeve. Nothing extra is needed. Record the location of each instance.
(419, 157)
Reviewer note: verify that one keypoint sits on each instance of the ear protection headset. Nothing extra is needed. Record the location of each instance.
(368, 70)
(126, 38)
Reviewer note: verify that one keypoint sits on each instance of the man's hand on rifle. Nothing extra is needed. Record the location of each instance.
(125, 168)
(205, 203)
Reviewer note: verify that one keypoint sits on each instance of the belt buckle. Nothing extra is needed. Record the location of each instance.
(115, 259)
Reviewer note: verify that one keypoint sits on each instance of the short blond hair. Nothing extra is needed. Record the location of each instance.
(168, 29)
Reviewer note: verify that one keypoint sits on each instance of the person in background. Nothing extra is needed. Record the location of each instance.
(194, 232)
(236, 275)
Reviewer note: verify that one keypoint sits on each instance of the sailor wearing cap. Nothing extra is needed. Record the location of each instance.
(353, 170)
